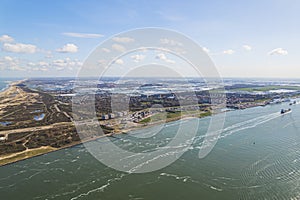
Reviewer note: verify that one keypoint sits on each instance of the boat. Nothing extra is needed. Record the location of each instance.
(283, 111)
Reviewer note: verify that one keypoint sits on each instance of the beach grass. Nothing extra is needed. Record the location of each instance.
(25, 154)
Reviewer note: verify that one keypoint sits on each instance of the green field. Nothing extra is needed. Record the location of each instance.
(267, 88)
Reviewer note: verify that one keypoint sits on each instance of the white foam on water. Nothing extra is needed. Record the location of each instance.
(251, 123)
(214, 188)
(99, 189)
(181, 178)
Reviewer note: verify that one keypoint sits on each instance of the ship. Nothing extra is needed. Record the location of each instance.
(283, 111)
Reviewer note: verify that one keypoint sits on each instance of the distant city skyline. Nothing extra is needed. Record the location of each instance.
(244, 39)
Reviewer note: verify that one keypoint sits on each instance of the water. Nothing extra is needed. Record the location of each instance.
(39, 117)
(5, 123)
(5, 81)
(256, 157)
(3, 84)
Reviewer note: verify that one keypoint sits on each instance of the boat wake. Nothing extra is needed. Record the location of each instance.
(251, 123)
(199, 142)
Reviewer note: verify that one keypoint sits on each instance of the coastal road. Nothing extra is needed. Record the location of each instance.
(36, 128)
(47, 127)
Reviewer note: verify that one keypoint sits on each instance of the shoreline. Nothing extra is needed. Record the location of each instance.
(8, 84)
(5, 88)
(11, 83)
(81, 142)
(14, 157)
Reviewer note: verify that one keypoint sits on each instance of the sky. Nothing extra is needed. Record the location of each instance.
(258, 38)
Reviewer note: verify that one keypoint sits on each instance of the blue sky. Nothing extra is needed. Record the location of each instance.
(244, 38)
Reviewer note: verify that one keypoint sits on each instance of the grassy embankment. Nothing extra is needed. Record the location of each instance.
(173, 116)
(26, 154)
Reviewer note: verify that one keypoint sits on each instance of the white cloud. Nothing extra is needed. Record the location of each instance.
(68, 48)
(170, 61)
(17, 64)
(105, 50)
(19, 48)
(123, 39)
(205, 49)
(67, 63)
(247, 47)
(8, 58)
(138, 57)
(6, 38)
(58, 64)
(11, 64)
(43, 69)
(278, 51)
(16, 68)
(119, 62)
(118, 47)
(142, 49)
(38, 66)
(49, 55)
(31, 64)
(177, 50)
(170, 42)
(83, 35)
(229, 52)
(163, 57)
(44, 64)
(102, 62)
